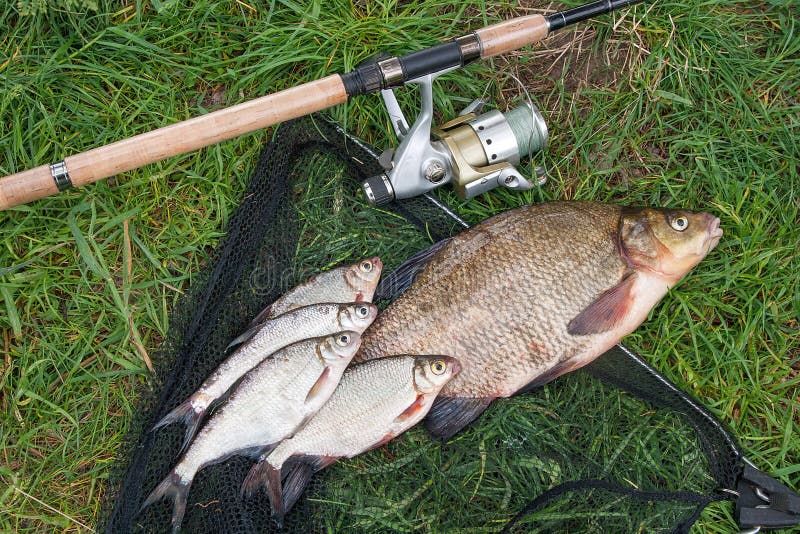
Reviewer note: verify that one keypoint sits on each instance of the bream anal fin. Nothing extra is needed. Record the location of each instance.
(551, 374)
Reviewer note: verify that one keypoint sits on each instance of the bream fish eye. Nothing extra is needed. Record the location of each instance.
(362, 311)
(343, 340)
(679, 223)
(366, 266)
(438, 367)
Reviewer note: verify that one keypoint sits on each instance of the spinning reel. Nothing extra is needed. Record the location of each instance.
(474, 152)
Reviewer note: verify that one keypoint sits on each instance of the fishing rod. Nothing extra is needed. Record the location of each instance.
(455, 156)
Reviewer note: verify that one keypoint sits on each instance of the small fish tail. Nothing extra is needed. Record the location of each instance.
(185, 413)
(254, 479)
(175, 487)
(265, 474)
(295, 483)
(275, 492)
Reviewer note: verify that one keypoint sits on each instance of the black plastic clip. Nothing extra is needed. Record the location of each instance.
(764, 502)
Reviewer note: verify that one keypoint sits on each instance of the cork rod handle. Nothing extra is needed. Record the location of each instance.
(512, 34)
(175, 139)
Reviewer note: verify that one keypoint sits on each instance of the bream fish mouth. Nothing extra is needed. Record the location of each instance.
(714, 233)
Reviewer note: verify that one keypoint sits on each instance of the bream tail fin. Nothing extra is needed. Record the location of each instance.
(265, 474)
(255, 478)
(284, 491)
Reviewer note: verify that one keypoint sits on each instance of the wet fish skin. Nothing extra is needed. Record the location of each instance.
(301, 323)
(350, 283)
(271, 402)
(355, 283)
(374, 402)
(533, 293)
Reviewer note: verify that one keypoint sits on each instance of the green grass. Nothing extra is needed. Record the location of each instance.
(692, 105)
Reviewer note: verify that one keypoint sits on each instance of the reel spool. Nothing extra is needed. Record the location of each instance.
(474, 152)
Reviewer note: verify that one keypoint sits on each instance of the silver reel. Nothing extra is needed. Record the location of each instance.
(475, 153)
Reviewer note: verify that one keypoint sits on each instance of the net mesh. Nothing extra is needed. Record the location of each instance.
(616, 449)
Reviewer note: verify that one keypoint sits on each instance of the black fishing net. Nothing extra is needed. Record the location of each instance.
(578, 455)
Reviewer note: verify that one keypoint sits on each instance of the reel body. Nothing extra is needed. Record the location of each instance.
(475, 152)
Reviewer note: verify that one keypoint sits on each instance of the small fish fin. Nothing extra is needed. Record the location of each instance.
(262, 317)
(244, 336)
(389, 436)
(319, 385)
(551, 374)
(449, 415)
(318, 463)
(252, 327)
(606, 311)
(411, 411)
(254, 479)
(274, 491)
(259, 474)
(187, 414)
(394, 284)
(256, 451)
(172, 486)
(284, 489)
(295, 482)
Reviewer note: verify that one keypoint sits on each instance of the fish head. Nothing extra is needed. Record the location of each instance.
(431, 373)
(357, 316)
(667, 242)
(340, 347)
(363, 278)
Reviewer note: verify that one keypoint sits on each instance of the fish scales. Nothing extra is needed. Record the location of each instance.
(452, 303)
(350, 283)
(533, 293)
(365, 394)
(309, 321)
(278, 386)
(301, 323)
(374, 402)
(271, 402)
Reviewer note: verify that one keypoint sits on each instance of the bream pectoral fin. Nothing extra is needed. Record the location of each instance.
(606, 311)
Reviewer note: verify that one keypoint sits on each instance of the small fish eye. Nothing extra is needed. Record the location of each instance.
(343, 340)
(366, 266)
(438, 367)
(362, 311)
(679, 223)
